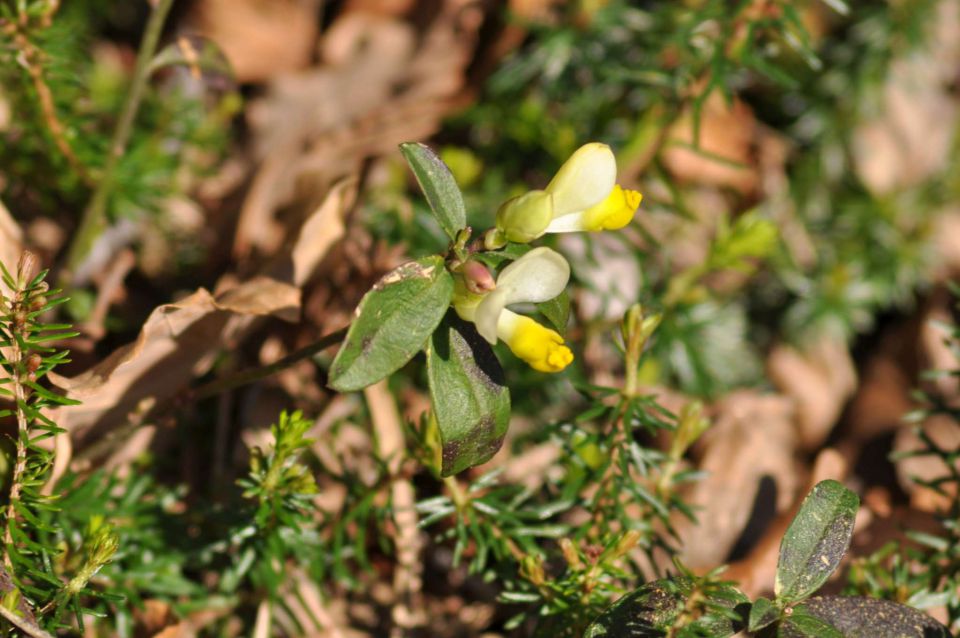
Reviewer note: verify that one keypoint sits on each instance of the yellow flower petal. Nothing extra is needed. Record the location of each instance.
(542, 348)
(614, 212)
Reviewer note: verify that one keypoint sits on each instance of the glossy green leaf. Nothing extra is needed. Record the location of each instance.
(557, 312)
(802, 625)
(816, 540)
(394, 320)
(648, 612)
(438, 186)
(470, 401)
(860, 617)
(763, 613)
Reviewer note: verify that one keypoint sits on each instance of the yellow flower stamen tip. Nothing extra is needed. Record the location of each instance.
(614, 212)
(542, 348)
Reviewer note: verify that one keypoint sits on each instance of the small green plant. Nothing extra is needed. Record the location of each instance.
(926, 573)
(407, 310)
(40, 582)
(811, 549)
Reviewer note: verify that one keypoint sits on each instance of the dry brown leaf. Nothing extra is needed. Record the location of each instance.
(936, 343)
(11, 239)
(909, 140)
(753, 437)
(946, 242)
(882, 398)
(820, 380)
(945, 432)
(176, 343)
(723, 153)
(382, 85)
(322, 230)
(261, 38)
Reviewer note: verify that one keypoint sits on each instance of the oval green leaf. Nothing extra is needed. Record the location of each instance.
(803, 625)
(470, 401)
(394, 319)
(763, 613)
(651, 610)
(816, 540)
(438, 185)
(860, 617)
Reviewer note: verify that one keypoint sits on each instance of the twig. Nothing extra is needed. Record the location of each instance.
(94, 216)
(29, 59)
(407, 579)
(217, 386)
(18, 366)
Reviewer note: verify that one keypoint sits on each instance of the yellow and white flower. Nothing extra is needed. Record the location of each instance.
(583, 196)
(538, 276)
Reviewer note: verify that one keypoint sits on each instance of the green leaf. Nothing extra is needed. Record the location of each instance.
(498, 258)
(470, 401)
(651, 610)
(557, 311)
(803, 625)
(438, 185)
(860, 617)
(816, 540)
(394, 320)
(763, 613)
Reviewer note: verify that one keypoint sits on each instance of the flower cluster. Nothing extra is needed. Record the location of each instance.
(583, 196)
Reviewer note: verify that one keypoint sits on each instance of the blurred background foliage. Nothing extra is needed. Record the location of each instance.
(799, 165)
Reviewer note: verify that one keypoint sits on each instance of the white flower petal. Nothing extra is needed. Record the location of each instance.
(584, 180)
(572, 223)
(538, 276)
(487, 314)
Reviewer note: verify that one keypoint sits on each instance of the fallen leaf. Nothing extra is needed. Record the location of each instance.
(720, 152)
(383, 84)
(753, 438)
(945, 433)
(11, 240)
(322, 230)
(909, 140)
(176, 344)
(819, 380)
(260, 38)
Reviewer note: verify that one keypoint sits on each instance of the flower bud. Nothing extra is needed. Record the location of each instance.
(477, 277)
(524, 218)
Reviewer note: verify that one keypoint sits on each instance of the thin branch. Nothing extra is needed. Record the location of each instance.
(20, 394)
(30, 59)
(245, 377)
(95, 215)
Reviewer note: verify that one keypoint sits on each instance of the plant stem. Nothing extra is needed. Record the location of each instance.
(217, 386)
(19, 332)
(23, 438)
(94, 215)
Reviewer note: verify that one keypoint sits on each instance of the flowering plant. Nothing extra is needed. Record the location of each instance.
(408, 307)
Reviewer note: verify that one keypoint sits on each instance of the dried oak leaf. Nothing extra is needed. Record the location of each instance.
(176, 344)
(382, 84)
